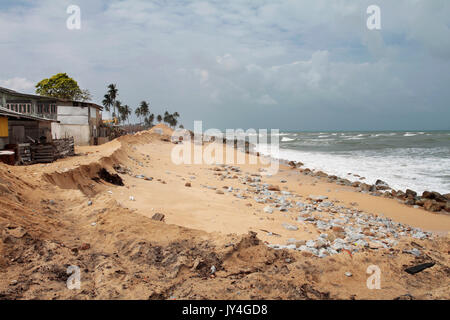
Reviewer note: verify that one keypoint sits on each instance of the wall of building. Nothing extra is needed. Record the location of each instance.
(73, 115)
(80, 132)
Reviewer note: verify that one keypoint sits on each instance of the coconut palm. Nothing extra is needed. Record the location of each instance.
(145, 109)
(107, 102)
(125, 112)
(149, 120)
(119, 107)
(113, 93)
(138, 113)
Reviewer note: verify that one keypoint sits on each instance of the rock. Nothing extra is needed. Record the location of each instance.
(158, 217)
(273, 188)
(219, 192)
(289, 227)
(337, 229)
(433, 205)
(187, 184)
(317, 198)
(85, 246)
(89, 203)
(381, 185)
(419, 235)
(414, 252)
(410, 193)
(131, 198)
(447, 206)
(434, 196)
(375, 245)
(348, 274)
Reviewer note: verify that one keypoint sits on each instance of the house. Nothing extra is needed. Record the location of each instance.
(24, 116)
(80, 120)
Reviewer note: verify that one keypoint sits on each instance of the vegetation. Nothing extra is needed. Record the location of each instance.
(171, 119)
(62, 86)
(143, 114)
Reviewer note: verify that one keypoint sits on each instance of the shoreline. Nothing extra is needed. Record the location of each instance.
(432, 201)
(170, 224)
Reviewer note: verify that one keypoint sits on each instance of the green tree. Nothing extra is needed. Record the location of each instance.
(62, 86)
(171, 119)
(113, 93)
(119, 107)
(159, 118)
(138, 113)
(107, 102)
(125, 112)
(145, 108)
(149, 120)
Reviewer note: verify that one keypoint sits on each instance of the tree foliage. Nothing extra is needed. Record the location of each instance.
(62, 86)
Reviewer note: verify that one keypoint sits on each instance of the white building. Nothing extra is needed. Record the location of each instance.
(80, 120)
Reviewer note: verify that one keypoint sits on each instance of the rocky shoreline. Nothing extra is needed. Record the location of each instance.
(429, 200)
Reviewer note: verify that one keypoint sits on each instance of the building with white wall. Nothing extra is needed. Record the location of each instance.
(80, 120)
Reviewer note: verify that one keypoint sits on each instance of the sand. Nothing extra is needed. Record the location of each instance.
(57, 215)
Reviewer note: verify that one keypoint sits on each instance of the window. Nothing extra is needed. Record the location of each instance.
(28, 108)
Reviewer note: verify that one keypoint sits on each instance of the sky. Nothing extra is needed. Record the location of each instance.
(286, 64)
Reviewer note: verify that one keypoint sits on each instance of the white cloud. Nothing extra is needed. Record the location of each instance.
(18, 84)
(311, 58)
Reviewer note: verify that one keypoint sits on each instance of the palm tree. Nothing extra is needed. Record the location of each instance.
(166, 118)
(119, 107)
(159, 118)
(113, 92)
(175, 117)
(171, 119)
(125, 113)
(149, 120)
(138, 113)
(145, 109)
(107, 103)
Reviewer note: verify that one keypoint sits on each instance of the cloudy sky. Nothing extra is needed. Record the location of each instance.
(288, 64)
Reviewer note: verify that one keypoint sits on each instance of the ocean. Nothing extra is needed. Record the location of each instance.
(416, 160)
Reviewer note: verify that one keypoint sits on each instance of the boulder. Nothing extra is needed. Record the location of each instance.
(410, 193)
(381, 185)
(433, 205)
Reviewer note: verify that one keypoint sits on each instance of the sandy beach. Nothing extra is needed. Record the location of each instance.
(227, 231)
